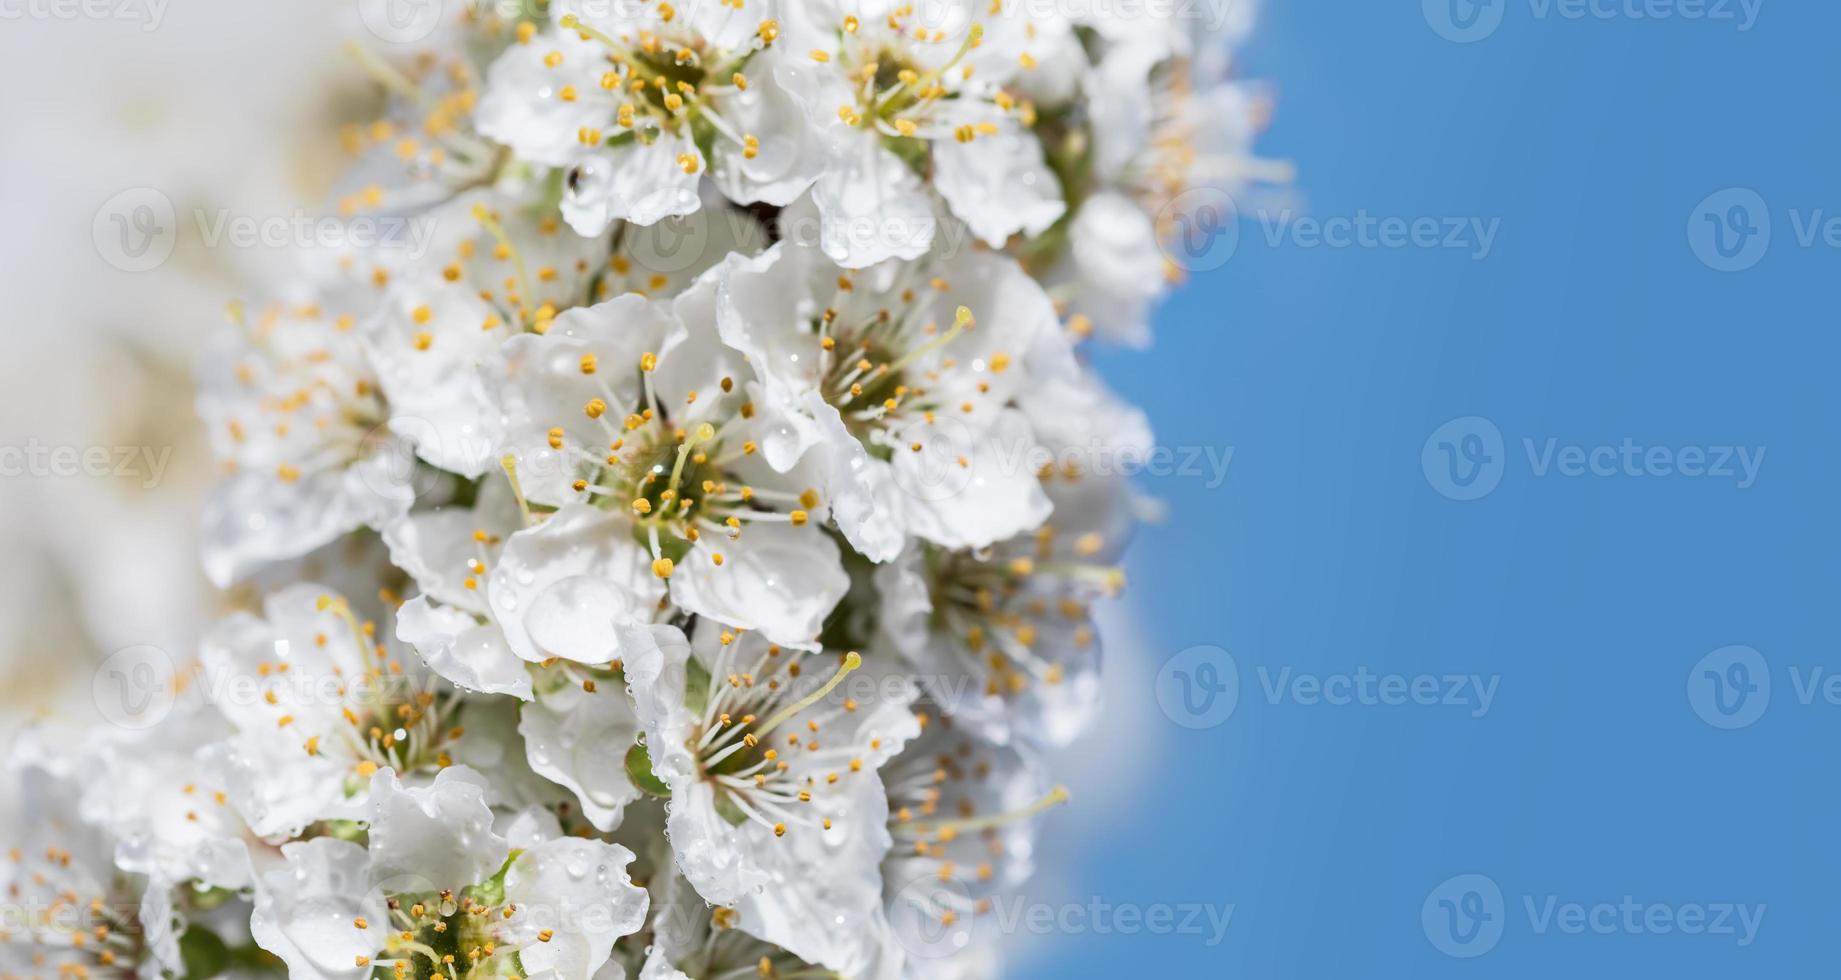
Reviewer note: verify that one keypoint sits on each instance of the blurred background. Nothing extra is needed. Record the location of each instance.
(1488, 628)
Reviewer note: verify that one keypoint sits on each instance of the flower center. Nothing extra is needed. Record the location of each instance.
(757, 775)
(68, 923)
(437, 936)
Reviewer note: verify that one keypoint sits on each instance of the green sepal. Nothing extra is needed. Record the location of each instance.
(639, 770)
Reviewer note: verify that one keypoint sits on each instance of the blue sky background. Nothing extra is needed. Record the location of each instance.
(1590, 599)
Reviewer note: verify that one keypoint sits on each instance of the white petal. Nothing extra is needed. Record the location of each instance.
(541, 388)
(307, 912)
(828, 885)
(872, 207)
(656, 676)
(430, 370)
(636, 182)
(437, 547)
(456, 646)
(714, 855)
(579, 891)
(161, 928)
(1118, 267)
(775, 578)
(278, 788)
(440, 835)
(580, 741)
(999, 184)
(967, 489)
(561, 587)
(789, 154)
(522, 108)
(254, 518)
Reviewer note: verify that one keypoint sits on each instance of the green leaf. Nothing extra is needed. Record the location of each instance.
(639, 770)
(696, 686)
(491, 892)
(203, 954)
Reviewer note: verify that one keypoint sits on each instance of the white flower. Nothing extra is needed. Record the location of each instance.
(427, 344)
(1155, 133)
(628, 96)
(70, 911)
(963, 814)
(434, 876)
(692, 941)
(294, 414)
(169, 813)
(542, 93)
(319, 703)
(712, 342)
(1004, 638)
(448, 551)
(900, 381)
(436, 335)
(634, 418)
(890, 87)
(775, 806)
(1115, 271)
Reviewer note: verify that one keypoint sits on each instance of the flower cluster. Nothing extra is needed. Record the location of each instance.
(656, 577)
